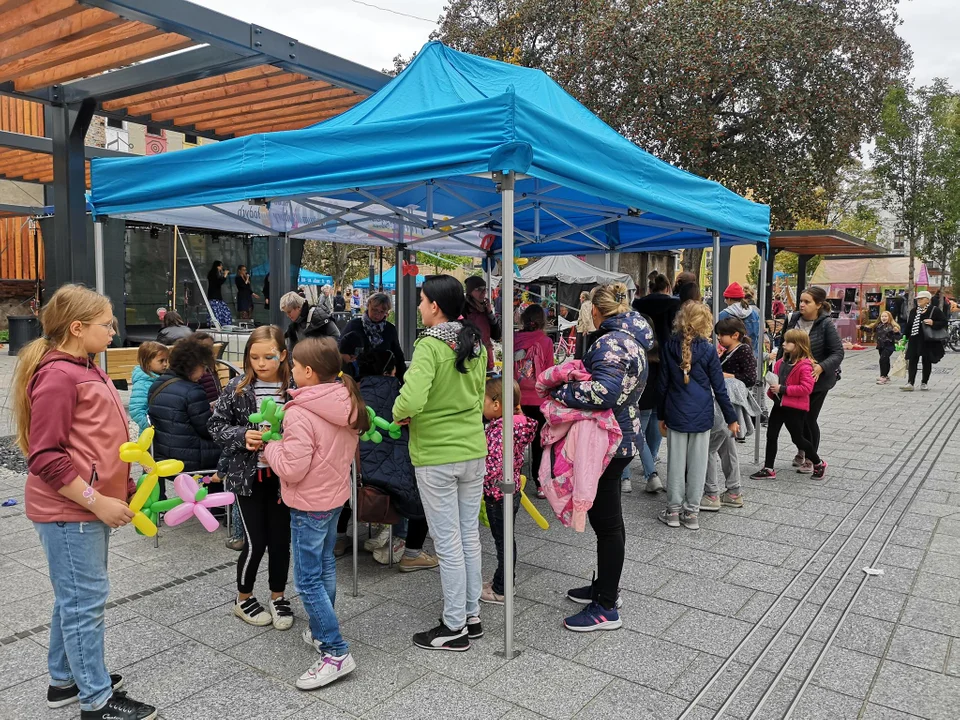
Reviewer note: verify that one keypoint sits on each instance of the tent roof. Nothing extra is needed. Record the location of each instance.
(868, 271)
(823, 242)
(389, 280)
(427, 143)
(573, 270)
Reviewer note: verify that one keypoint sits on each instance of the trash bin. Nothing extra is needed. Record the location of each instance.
(23, 329)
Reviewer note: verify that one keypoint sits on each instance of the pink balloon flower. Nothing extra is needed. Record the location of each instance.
(196, 501)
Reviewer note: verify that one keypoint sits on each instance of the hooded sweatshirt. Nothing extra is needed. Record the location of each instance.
(313, 459)
(537, 356)
(142, 382)
(445, 406)
(77, 426)
(751, 321)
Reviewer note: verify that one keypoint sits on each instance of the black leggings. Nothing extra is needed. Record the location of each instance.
(912, 370)
(811, 427)
(795, 422)
(606, 519)
(885, 354)
(533, 412)
(266, 527)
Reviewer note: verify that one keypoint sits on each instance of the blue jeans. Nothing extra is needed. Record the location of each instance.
(648, 443)
(313, 535)
(77, 558)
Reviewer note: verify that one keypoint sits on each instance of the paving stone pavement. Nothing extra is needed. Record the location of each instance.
(774, 593)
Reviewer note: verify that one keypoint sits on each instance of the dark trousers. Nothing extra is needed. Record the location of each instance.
(606, 519)
(885, 354)
(811, 426)
(416, 534)
(912, 370)
(266, 527)
(536, 449)
(495, 512)
(795, 422)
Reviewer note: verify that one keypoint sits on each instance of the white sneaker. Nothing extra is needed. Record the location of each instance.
(252, 612)
(654, 484)
(382, 555)
(325, 670)
(308, 639)
(379, 540)
(281, 613)
(626, 485)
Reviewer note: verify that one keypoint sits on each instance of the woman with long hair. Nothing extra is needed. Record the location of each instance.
(216, 277)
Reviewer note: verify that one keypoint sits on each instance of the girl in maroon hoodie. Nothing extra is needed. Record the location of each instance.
(70, 425)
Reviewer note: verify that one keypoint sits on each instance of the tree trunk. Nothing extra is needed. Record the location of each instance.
(692, 258)
(910, 287)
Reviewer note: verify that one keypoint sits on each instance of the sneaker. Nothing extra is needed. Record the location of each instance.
(487, 595)
(282, 613)
(235, 544)
(325, 670)
(474, 628)
(819, 471)
(593, 617)
(654, 483)
(120, 707)
(883, 380)
(806, 468)
(626, 485)
(540, 494)
(690, 520)
(423, 561)
(710, 503)
(923, 387)
(764, 474)
(443, 638)
(587, 594)
(670, 519)
(308, 639)
(379, 540)
(799, 459)
(342, 546)
(252, 612)
(907, 388)
(728, 499)
(58, 697)
(382, 554)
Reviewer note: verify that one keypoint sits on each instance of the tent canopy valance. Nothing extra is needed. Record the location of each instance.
(424, 152)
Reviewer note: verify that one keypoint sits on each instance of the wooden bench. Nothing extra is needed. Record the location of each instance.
(121, 362)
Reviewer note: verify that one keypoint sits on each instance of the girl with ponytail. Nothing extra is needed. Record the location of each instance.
(442, 400)
(70, 425)
(690, 378)
(321, 427)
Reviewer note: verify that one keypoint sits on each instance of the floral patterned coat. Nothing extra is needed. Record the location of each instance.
(617, 363)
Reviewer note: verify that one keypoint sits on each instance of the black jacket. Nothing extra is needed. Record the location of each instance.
(917, 346)
(179, 411)
(169, 335)
(661, 309)
(826, 346)
(391, 342)
(312, 322)
(339, 304)
(386, 465)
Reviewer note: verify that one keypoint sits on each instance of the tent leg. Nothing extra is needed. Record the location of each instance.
(716, 279)
(356, 532)
(762, 301)
(99, 272)
(508, 487)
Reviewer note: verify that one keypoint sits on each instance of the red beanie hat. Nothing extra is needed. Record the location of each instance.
(734, 292)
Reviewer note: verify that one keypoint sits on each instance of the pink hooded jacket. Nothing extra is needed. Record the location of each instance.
(313, 459)
(533, 353)
(578, 445)
(800, 383)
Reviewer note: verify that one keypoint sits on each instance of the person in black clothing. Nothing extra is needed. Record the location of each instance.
(887, 333)
(649, 422)
(306, 321)
(924, 314)
(266, 291)
(172, 328)
(245, 293)
(380, 333)
(216, 277)
(339, 304)
(814, 319)
(660, 307)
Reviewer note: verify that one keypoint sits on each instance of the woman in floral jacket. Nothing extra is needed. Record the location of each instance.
(617, 364)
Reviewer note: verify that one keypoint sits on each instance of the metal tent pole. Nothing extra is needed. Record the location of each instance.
(762, 304)
(356, 532)
(508, 487)
(716, 279)
(99, 276)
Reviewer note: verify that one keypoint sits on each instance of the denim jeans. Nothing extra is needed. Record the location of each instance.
(495, 515)
(686, 469)
(77, 558)
(451, 496)
(313, 535)
(648, 444)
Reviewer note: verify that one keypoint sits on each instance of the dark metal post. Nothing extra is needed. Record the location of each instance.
(279, 259)
(380, 284)
(801, 274)
(768, 292)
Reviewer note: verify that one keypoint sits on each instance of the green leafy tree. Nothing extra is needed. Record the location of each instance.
(341, 261)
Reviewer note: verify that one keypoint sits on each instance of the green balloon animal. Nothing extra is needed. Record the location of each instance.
(271, 414)
(154, 505)
(378, 423)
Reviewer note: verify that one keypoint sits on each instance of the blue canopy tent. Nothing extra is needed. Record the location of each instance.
(306, 277)
(389, 280)
(467, 152)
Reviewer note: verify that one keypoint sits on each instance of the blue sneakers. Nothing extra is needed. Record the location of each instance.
(593, 617)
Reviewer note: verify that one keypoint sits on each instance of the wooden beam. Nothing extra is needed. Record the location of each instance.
(103, 61)
(286, 122)
(35, 15)
(300, 110)
(167, 108)
(226, 80)
(63, 31)
(216, 112)
(10, 5)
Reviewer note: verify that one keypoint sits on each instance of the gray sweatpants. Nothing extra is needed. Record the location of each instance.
(686, 469)
(723, 444)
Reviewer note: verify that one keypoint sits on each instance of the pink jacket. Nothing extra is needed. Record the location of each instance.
(799, 385)
(578, 446)
(313, 459)
(533, 353)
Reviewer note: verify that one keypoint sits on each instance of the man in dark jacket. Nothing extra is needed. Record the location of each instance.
(660, 306)
(179, 409)
(339, 304)
(306, 321)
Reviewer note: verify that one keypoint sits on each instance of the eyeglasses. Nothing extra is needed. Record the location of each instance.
(105, 326)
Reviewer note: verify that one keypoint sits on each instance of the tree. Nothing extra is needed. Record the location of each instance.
(339, 260)
(769, 98)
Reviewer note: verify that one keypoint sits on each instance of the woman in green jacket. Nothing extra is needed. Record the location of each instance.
(442, 400)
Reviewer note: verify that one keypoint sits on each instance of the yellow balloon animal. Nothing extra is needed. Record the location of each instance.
(530, 507)
(139, 452)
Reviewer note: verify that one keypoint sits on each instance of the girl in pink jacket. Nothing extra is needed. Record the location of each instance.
(791, 402)
(321, 427)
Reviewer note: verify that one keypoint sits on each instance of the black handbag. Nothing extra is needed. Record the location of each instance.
(932, 334)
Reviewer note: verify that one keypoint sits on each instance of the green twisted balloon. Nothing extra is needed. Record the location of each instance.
(271, 414)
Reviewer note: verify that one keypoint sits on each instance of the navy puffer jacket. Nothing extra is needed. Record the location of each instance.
(688, 407)
(179, 411)
(386, 465)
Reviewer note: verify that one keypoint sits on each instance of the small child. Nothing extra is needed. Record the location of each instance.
(524, 433)
(738, 360)
(791, 402)
(887, 333)
(152, 360)
(210, 380)
(321, 427)
(690, 378)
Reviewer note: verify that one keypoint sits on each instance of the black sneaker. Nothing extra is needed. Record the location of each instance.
(120, 707)
(474, 628)
(443, 638)
(819, 471)
(587, 594)
(58, 697)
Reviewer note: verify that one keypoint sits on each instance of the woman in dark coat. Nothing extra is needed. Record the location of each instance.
(378, 332)
(216, 277)
(931, 351)
(245, 293)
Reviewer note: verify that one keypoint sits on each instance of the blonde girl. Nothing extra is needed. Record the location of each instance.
(70, 423)
(265, 517)
(690, 379)
(887, 333)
